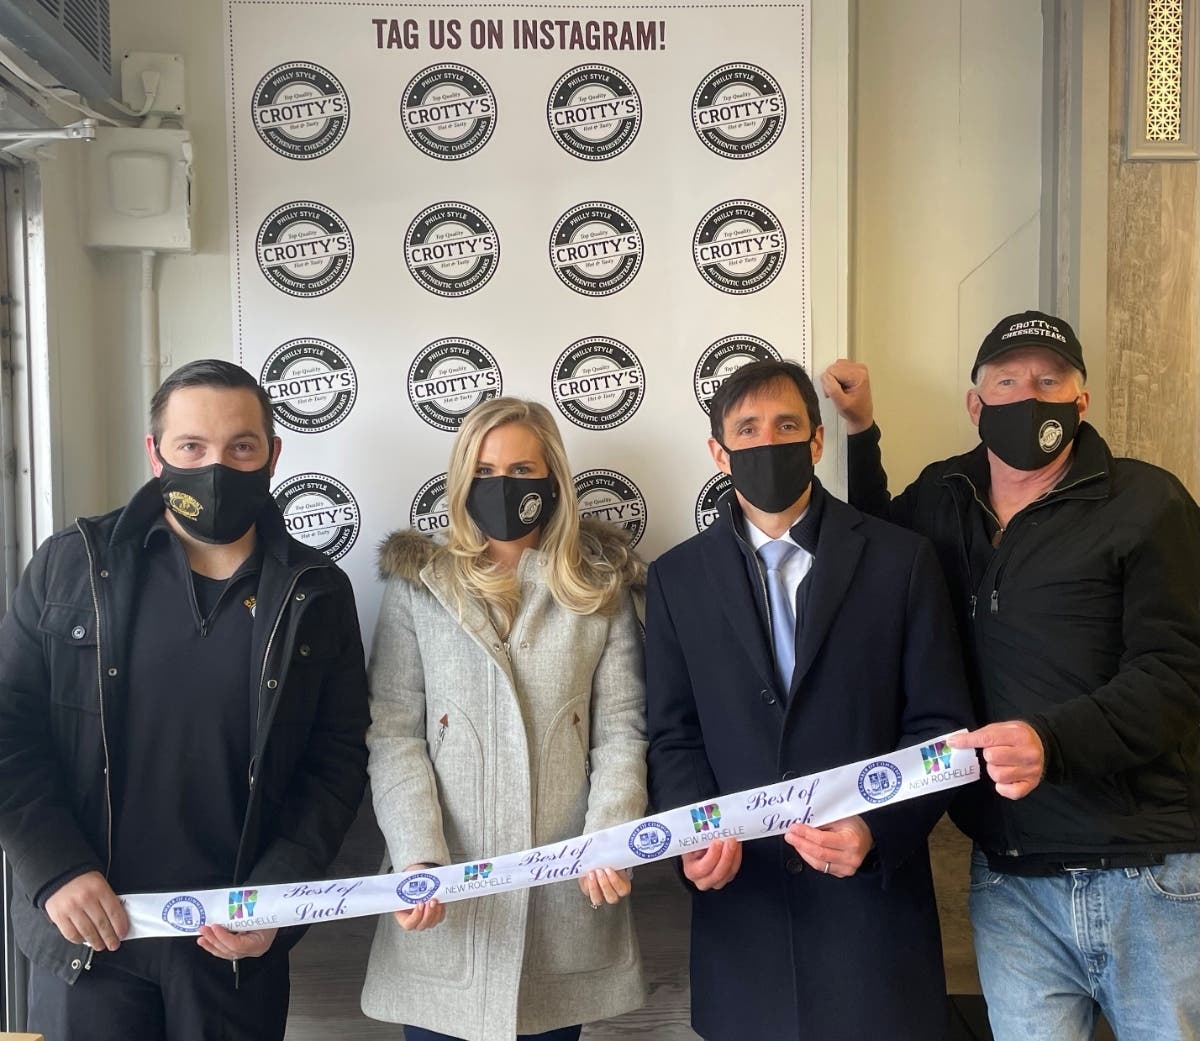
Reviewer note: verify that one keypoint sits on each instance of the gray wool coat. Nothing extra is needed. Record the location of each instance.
(480, 746)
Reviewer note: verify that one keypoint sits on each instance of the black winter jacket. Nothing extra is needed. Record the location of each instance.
(63, 649)
(1085, 622)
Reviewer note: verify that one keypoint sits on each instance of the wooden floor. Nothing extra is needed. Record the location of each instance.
(328, 965)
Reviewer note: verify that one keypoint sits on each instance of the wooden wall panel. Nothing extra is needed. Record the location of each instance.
(1153, 295)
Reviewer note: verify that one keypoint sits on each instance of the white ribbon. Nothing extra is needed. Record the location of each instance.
(753, 814)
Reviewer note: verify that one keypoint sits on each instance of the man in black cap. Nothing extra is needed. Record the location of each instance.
(1076, 581)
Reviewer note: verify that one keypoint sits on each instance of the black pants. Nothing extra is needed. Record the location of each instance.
(163, 990)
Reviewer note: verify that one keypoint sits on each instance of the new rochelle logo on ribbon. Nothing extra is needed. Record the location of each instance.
(756, 813)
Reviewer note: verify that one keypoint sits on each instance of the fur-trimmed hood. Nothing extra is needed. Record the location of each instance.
(403, 554)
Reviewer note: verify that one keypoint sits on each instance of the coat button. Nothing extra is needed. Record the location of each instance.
(299, 597)
(112, 672)
(272, 684)
(795, 865)
(78, 633)
(790, 775)
(76, 964)
(305, 650)
(767, 696)
(104, 574)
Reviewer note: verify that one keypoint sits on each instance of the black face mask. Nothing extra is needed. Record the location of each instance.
(1029, 434)
(772, 477)
(216, 503)
(509, 508)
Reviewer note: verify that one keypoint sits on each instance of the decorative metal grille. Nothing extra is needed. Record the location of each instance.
(1164, 69)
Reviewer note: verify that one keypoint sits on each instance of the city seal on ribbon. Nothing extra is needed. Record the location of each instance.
(598, 383)
(723, 358)
(451, 249)
(448, 111)
(311, 384)
(449, 377)
(612, 497)
(594, 112)
(304, 249)
(739, 247)
(320, 512)
(596, 249)
(738, 111)
(301, 111)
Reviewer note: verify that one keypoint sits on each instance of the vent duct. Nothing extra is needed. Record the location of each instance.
(69, 39)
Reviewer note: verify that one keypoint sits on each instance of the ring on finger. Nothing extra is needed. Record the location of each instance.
(825, 871)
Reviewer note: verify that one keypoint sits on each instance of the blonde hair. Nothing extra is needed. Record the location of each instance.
(584, 583)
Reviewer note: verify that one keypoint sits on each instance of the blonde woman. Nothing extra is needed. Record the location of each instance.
(507, 711)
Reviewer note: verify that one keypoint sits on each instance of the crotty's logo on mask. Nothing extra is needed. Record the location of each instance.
(185, 505)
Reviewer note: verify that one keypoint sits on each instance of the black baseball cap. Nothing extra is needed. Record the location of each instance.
(1031, 329)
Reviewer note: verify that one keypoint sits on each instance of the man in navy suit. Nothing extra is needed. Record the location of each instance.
(796, 634)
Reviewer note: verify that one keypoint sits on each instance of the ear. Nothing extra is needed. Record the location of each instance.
(152, 455)
(974, 405)
(1083, 401)
(817, 446)
(276, 448)
(720, 456)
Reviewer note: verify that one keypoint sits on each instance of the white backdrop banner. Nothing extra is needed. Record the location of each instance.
(817, 799)
(602, 207)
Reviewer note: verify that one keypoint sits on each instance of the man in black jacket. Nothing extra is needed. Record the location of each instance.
(183, 705)
(1076, 579)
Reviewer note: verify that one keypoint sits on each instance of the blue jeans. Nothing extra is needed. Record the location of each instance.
(1124, 940)
(561, 1034)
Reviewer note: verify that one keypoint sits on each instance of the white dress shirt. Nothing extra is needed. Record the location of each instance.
(796, 567)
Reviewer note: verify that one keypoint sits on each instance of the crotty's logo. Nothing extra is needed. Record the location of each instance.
(429, 515)
(596, 248)
(448, 111)
(598, 383)
(185, 505)
(530, 508)
(738, 111)
(450, 377)
(594, 112)
(706, 501)
(311, 384)
(304, 249)
(739, 247)
(320, 512)
(301, 110)
(1050, 435)
(722, 359)
(609, 496)
(451, 249)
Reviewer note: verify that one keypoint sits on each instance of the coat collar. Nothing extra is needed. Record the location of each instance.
(838, 549)
(1089, 475)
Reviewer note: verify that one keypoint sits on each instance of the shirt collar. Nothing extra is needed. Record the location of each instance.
(803, 533)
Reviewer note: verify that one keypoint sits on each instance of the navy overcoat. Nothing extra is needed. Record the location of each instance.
(784, 952)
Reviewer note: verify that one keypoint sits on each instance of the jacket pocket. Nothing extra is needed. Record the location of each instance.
(560, 807)
(75, 682)
(564, 934)
(445, 954)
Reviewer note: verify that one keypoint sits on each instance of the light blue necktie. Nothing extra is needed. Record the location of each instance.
(783, 611)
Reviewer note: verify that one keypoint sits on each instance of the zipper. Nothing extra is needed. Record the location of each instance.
(443, 726)
(270, 642)
(100, 683)
(587, 759)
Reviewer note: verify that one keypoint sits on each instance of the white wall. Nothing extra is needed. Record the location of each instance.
(947, 187)
(947, 169)
(94, 315)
